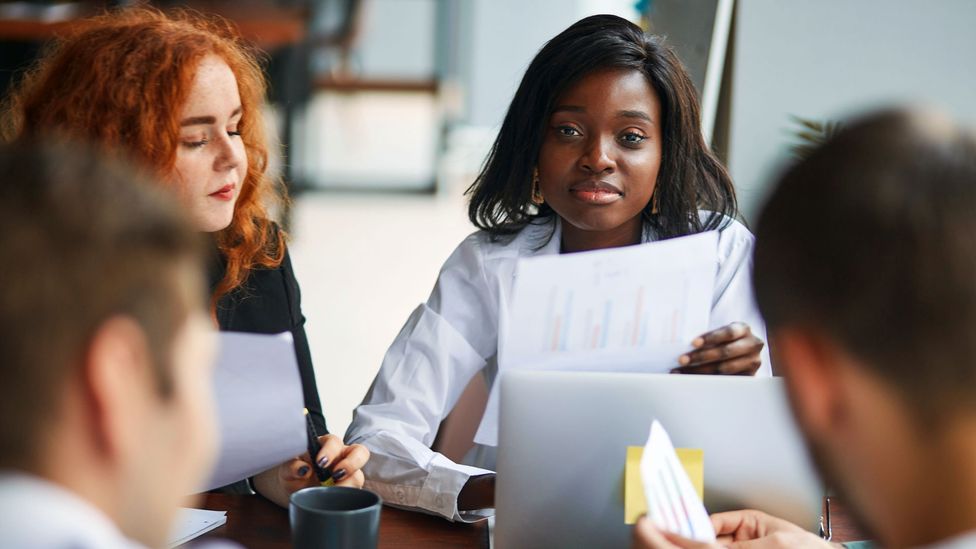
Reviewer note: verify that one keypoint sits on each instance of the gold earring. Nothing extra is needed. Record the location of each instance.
(537, 197)
(654, 202)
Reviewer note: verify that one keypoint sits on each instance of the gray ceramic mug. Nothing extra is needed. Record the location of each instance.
(334, 517)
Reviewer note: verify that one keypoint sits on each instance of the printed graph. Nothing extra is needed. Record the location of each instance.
(610, 318)
(634, 307)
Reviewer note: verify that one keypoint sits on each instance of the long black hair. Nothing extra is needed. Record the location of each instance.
(690, 178)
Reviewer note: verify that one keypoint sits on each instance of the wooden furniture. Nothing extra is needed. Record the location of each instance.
(257, 523)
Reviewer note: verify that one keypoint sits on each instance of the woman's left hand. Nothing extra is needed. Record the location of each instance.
(345, 462)
(730, 350)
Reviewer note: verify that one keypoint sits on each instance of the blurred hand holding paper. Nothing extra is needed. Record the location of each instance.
(630, 309)
(673, 504)
(259, 405)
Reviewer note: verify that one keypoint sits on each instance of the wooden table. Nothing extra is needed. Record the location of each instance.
(256, 523)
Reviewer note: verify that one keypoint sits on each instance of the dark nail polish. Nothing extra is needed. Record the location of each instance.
(339, 475)
(323, 462)
(303, 470)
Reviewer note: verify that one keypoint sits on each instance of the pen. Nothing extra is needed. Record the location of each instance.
(324, 474)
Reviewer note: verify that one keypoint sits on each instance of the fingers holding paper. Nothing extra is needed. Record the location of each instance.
(751, 529)
(648, 536)
(735, 530)
(729, 350)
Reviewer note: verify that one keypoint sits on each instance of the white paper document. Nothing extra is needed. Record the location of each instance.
(193, 523)
(672, 502)
(259, 405)
(630, 309)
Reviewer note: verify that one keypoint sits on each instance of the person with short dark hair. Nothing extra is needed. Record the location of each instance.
(865, 270)
(601, 147)
(106, 409)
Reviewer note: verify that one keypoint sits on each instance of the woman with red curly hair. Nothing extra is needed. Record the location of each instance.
(182, 94)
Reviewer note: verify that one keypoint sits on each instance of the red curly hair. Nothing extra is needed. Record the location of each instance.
(120, 80)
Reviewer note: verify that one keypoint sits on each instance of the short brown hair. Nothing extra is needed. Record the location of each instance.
(81, 243)
(872, 241)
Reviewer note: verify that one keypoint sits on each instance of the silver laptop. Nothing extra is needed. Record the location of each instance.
(563, 439)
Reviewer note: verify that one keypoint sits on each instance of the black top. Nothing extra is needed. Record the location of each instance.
(269, 302)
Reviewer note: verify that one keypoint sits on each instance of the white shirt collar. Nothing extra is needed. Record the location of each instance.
(544, 237)
(38, 513)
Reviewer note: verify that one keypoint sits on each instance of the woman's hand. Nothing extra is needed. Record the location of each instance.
(730, 350)
(345, 463)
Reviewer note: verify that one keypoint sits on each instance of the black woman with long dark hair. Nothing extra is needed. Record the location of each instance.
(601, 148)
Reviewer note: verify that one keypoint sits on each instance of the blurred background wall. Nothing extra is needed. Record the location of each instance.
(828, 59)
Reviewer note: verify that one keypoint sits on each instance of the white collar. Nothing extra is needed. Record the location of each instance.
(544, 237)
(35, 512)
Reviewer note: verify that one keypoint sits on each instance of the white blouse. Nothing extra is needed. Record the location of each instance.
(454, 335)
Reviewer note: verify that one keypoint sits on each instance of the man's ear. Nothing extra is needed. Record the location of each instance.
(116, 375)
(808, 363)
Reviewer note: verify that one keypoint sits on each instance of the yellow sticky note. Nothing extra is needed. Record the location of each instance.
(693, 461)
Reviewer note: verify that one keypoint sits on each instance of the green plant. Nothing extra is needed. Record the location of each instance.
(812, 134)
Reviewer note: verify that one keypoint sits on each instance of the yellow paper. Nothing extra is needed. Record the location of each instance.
(693, 461)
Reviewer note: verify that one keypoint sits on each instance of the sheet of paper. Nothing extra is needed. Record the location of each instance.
(636, 307)
(630, 309)
(672, 503)
(193, 523)
(259, 405)
(635, 503)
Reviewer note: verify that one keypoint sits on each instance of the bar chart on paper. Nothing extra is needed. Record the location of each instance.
(626, 309)
(590, 322)
(632, 309)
